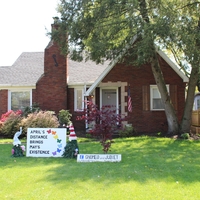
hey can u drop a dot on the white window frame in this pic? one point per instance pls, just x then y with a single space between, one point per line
152 87
76 97
18 90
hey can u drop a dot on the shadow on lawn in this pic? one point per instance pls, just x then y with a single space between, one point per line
143 160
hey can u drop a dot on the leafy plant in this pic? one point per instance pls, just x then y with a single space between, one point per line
185 135
41 119
18 150
128 131
64 117
31 109
106 123
10 123
71 149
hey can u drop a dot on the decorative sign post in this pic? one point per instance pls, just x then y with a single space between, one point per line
45 142
99 158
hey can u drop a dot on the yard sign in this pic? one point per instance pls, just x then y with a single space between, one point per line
99 158
45 142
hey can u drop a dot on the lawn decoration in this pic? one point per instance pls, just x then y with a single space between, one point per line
18 149
71 149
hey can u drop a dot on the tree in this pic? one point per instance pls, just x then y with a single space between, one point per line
182 38
105 29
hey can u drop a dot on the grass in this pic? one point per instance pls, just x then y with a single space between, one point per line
151 169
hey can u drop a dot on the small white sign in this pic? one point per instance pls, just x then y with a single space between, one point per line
99 157
45 142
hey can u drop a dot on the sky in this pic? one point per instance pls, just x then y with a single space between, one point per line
23 25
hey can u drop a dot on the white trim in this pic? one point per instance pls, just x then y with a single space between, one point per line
110 66
173 66
151 97
18 90
115 61
15 87
75 98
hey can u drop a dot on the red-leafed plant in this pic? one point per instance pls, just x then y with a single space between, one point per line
105 123
9 122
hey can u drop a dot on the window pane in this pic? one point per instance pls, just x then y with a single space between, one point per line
79 100
158 104
20 100
156 93
198 103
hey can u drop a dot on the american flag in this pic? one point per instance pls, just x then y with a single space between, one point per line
129 100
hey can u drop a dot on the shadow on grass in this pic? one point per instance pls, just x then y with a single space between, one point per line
143 159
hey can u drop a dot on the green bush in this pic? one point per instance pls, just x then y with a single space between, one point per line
128 131
64 117
185 135
31 109
41 119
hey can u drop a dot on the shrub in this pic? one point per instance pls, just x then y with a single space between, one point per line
31 109
10 123
41 119
64 117
185 135
128 131
107 122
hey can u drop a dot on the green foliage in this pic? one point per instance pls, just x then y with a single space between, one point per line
106 29
159 133
17 151
31 109
10 123
71 149
128 131
64 117
41 119
185 135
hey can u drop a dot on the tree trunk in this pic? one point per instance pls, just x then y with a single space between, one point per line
173 125
187 115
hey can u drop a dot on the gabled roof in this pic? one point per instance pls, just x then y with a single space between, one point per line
84 73
24 72
30 66
114 62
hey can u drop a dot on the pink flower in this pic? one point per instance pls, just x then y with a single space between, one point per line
13 151
23 148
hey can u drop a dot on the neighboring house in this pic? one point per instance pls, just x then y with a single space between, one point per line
56 83
196 102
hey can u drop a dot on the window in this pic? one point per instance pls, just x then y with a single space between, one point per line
156 101
196 102
78 99
19 100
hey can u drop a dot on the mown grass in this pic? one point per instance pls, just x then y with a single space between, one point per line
151 169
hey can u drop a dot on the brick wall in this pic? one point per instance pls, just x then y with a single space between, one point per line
3 101
147 121
51 88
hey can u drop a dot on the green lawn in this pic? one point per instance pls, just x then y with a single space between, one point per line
151 169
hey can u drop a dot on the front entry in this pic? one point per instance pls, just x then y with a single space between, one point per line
109 98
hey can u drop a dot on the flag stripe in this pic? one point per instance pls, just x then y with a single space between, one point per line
129 100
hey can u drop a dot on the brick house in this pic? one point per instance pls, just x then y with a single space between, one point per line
55 83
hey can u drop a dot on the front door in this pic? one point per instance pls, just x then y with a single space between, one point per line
109 98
